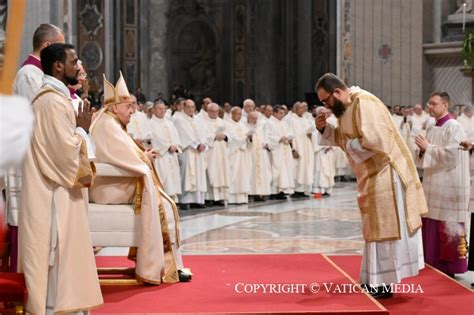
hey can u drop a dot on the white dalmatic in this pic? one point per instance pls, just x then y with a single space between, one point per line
302 130
139 127
261 169
324 166
218 170
281 157
163 136
239 156
193 163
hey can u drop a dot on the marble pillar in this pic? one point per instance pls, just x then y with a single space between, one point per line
437 13
153 48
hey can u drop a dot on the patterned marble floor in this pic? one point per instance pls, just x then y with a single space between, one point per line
329 225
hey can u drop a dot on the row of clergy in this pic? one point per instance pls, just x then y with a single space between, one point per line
420 121
201 157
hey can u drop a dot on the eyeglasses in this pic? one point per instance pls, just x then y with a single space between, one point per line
324 101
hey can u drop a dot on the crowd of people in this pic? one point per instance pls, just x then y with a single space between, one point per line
224 155
230 154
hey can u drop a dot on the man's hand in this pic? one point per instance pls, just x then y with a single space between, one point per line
466 145
173 149
220 136
84 116
321 122
150 153
284 140
422 143
201 147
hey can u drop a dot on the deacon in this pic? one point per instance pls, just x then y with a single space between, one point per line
158 258
165 141
446 182
390 195
55 247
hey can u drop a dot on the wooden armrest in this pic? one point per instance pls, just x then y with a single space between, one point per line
104 169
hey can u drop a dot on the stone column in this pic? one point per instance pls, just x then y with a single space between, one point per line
437 13
153 46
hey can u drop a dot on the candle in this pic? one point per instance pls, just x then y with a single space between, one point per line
464 16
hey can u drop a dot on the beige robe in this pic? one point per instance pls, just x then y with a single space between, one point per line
281 157
163 136
446 179
304 165
155 257
218 170
239 156
367 121
57 168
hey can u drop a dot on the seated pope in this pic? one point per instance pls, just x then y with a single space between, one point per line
158 257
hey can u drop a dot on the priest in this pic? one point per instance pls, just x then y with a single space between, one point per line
165 142
279 137
193 162
218 170
239 157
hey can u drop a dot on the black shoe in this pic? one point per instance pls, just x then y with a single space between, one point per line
198 206
184 277
219 203
326 194
184 206
280 196
209 203
258 199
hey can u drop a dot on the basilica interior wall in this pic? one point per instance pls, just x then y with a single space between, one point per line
382 48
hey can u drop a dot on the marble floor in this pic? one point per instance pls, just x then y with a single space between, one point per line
330 225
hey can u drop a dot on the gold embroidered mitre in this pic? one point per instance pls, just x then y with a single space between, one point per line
116 94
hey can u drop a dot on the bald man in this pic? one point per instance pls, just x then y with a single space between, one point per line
218 170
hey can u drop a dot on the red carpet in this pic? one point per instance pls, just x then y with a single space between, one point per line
442 295
213 288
